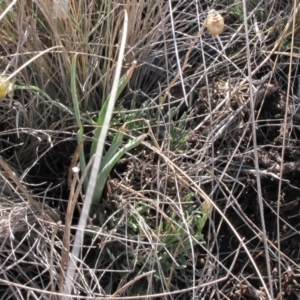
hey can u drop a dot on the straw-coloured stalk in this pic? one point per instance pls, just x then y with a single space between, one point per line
60 9
214 23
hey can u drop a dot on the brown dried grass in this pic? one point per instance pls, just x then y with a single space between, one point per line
157 184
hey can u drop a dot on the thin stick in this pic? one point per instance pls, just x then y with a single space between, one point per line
283 147
258 182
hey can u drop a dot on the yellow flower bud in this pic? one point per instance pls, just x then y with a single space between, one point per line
214 23
5 87
206 207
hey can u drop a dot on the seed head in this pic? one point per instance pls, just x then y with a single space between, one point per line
214 23
5 87
206 207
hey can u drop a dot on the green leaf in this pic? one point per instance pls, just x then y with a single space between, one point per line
106 169
122 83
78 117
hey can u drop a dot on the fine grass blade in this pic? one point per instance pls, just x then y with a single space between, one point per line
121 85
107 165
78 117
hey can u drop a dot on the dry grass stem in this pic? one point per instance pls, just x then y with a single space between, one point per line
205 206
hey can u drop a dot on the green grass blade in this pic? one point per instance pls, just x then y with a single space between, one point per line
106 169
116 143
78 117
121 85
74 92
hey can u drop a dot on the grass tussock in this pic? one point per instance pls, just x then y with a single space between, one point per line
199 180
